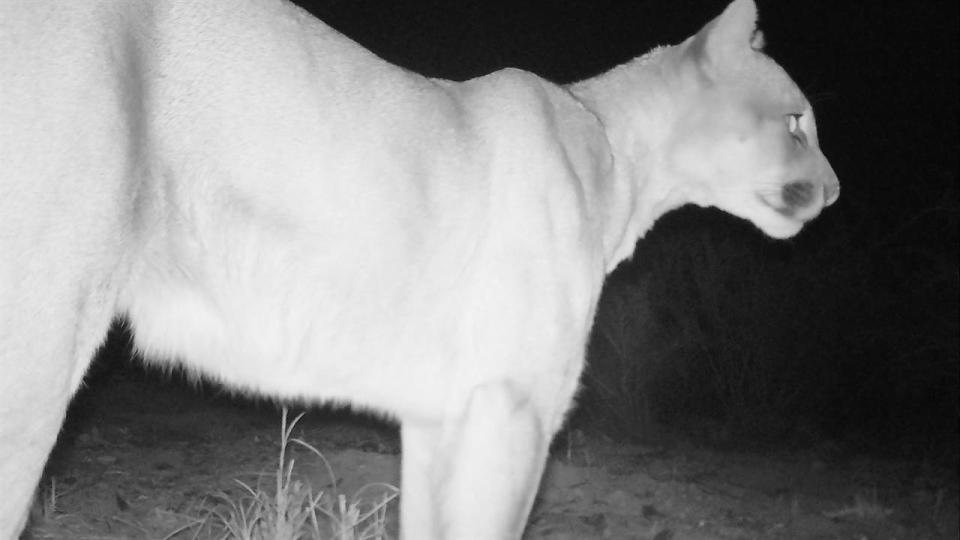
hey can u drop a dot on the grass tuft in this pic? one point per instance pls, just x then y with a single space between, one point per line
864 507
292 511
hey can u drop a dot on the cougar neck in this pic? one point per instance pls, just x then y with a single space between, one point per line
635 103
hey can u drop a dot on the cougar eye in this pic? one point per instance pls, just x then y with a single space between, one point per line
793 126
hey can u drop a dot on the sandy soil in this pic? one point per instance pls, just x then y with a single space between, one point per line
139 457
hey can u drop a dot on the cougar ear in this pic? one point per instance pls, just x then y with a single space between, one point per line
726 39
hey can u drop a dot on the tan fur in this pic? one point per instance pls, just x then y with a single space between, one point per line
274 207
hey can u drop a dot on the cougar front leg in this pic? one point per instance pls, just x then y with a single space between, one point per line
474 476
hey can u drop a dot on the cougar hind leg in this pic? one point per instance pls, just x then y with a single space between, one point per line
45 348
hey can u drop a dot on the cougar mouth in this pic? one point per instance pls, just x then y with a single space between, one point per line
800 199
797 194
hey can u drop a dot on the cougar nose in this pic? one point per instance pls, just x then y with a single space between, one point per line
831 192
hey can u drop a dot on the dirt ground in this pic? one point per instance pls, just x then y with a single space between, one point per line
141 456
